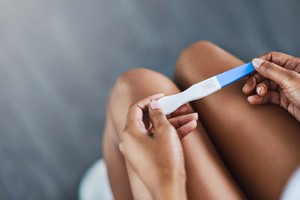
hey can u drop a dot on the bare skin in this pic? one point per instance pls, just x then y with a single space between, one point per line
158 146
277 82
202 163
258 144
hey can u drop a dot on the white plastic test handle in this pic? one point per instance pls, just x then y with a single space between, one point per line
170 103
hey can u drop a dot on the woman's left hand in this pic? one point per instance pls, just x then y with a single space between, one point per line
154 150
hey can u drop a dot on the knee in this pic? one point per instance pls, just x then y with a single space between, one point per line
139 81
130 79
190 56
193 61
134 77
197 47
127 77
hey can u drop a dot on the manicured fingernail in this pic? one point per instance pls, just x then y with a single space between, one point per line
258 90
245 86
256 62
249 99
154 105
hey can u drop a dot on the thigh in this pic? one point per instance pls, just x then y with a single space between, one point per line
205 171
259 144
129 88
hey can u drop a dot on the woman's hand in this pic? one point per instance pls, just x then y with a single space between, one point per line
154 151
277 81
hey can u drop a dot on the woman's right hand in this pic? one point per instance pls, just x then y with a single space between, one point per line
277 81
155 152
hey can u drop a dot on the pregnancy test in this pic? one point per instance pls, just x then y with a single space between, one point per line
204 88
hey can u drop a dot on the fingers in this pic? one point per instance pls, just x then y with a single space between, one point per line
135 127
135 112
249 85
185 124
272 71
180 111
269 97
263 87
182 120
162 126
251 82
284 61
157 117
143 104
135 117
281 59
187 128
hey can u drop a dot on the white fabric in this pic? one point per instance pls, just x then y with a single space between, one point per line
292 190
95 185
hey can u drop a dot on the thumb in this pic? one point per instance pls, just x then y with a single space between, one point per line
157 117
272 71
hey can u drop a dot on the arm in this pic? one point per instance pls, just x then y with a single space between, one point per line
155 154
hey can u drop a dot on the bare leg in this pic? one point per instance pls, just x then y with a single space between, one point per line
207 178
259 144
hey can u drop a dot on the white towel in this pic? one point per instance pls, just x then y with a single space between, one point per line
292 190
95 185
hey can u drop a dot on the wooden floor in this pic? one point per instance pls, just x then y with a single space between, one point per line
60 58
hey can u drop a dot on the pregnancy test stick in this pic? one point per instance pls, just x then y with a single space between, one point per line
204 88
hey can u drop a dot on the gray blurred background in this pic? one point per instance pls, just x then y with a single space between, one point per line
60 58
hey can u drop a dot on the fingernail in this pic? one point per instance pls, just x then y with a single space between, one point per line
121 147
256 62
258 90
154 105
249 99
245 86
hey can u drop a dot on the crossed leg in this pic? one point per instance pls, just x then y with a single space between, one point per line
259 145
205 171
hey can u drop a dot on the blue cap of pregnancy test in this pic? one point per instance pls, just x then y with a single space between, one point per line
235 74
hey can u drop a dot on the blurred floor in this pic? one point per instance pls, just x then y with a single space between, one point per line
60 58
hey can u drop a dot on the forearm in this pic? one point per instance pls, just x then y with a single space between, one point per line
172 191
167 189
138 188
